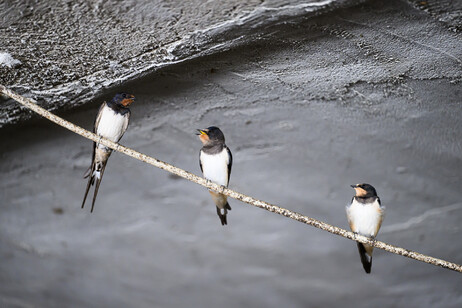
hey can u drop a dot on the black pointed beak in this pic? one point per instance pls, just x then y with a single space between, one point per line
353 186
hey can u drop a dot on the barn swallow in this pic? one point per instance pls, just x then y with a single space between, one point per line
215 160
111 123
365 214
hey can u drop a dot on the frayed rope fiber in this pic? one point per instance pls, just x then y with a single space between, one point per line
226 191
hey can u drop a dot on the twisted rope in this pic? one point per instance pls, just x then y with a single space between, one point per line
226 191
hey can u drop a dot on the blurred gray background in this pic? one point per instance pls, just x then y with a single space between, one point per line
368 93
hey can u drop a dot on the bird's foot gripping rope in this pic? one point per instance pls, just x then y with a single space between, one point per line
226 191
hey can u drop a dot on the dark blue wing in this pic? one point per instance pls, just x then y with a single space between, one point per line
230 162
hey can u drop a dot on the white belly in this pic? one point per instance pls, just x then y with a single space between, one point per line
111 124
365 219
215 167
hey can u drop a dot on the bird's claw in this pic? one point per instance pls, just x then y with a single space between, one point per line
373 240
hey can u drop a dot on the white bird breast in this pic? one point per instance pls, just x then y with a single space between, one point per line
111 124
215 167
366 218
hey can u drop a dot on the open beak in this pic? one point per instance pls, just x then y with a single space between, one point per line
201 132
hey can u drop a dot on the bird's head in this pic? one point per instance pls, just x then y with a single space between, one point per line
364 190
211 135
123 99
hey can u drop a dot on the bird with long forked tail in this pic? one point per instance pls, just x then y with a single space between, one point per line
365 215
216 160
111 123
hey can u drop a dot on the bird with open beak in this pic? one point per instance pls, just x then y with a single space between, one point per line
365 214
216 160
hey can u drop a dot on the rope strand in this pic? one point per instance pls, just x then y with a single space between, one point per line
226 191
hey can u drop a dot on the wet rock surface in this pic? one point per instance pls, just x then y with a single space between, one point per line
73 50
365 94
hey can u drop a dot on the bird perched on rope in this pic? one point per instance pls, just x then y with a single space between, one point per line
111 123
365 214
216 160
